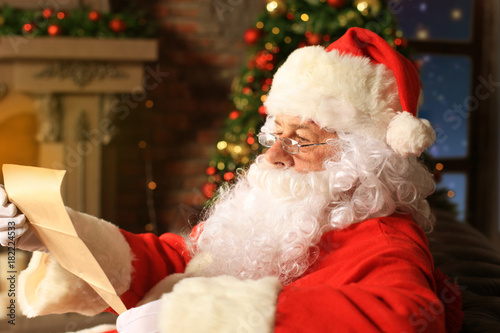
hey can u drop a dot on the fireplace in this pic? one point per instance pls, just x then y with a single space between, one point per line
59 100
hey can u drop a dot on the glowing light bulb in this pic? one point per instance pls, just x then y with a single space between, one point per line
221 145
271 6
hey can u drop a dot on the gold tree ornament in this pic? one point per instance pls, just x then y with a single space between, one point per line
276 7
368 7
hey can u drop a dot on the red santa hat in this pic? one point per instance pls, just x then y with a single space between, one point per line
357 84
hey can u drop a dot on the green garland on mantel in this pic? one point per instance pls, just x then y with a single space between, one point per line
75 23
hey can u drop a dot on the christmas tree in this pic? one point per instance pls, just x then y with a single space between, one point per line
280 29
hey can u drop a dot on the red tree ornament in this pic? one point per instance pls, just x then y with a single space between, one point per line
266 84
264 60
28 28
401 42
262 110
94 16
336 3
252 36
209 190
117 25
246 91
314 39
47 12
54 30
211 171
233 115
228 176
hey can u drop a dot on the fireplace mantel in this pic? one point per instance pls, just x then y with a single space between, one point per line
76 85
19 47
44 64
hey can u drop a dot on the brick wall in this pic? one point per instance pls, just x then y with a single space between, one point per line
201 49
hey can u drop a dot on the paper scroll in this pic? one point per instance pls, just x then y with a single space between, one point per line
37 193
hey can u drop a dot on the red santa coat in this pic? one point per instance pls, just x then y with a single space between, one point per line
374 276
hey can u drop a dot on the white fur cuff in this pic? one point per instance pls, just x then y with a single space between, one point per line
222 304
47 288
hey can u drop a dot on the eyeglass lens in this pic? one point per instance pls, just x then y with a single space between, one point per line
268 140
290 145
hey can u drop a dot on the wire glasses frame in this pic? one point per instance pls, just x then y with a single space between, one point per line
289 145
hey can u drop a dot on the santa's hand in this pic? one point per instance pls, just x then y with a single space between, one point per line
142 319
14 229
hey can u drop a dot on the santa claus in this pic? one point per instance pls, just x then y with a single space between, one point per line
325 232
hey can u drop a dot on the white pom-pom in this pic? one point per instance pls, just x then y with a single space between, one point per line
409 135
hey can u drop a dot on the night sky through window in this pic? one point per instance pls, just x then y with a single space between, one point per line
435 19
446 81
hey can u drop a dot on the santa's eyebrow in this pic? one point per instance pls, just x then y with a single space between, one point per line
295 126
302 126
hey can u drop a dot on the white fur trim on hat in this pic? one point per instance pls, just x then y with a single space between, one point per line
409 135
339 92
347 93
222 304
47 288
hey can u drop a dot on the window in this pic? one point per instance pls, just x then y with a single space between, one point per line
458 64
445 81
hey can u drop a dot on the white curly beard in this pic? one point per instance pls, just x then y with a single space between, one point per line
268 224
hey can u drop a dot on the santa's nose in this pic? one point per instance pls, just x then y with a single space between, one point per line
277 156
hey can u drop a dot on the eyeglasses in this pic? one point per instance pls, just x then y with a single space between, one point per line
289 145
